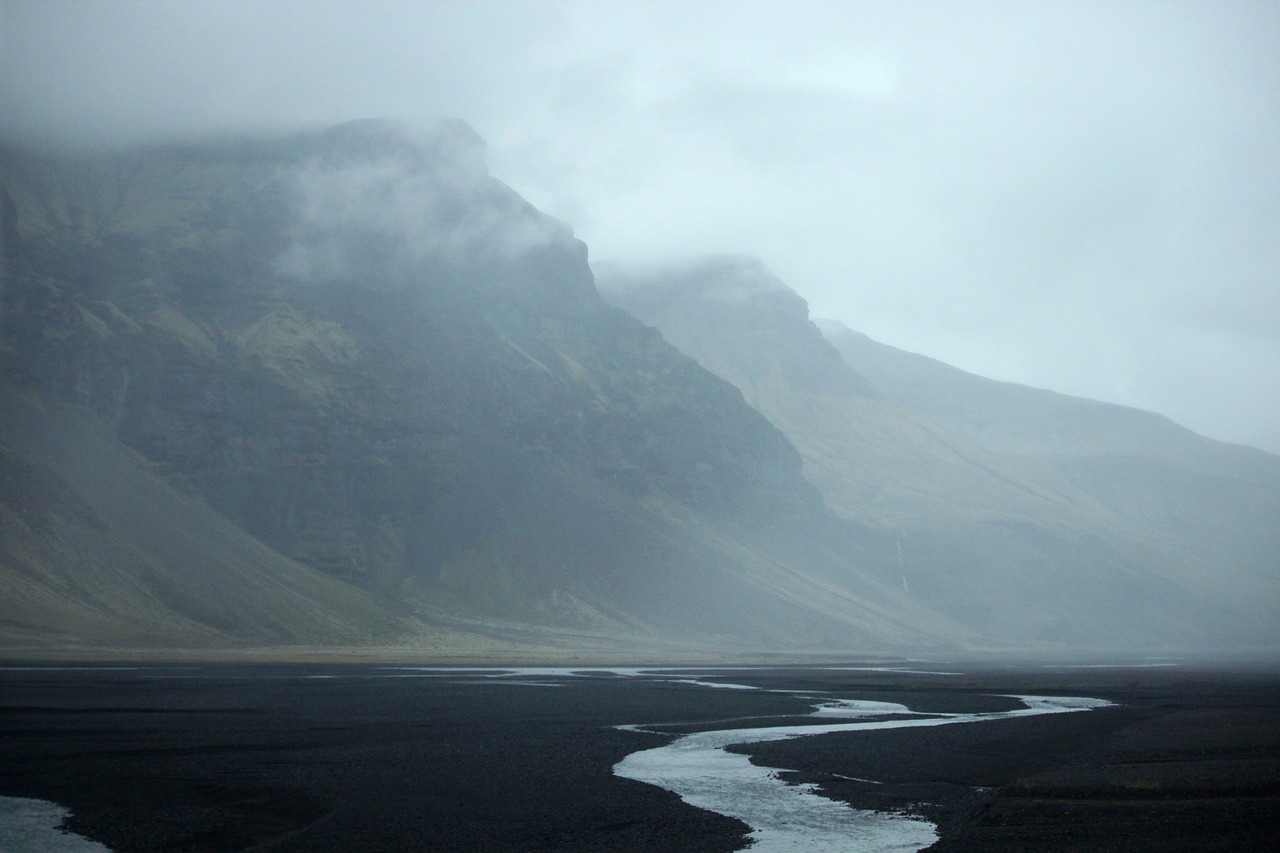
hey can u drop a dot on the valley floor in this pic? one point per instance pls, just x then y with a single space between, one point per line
361 757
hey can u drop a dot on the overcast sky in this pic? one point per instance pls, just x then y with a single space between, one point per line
1079 196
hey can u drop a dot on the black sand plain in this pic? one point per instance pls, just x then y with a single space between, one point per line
272 757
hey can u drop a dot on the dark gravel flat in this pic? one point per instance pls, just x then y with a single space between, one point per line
215 758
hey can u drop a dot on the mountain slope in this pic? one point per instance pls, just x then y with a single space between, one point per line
1220 502
370 365
96 548
1012 546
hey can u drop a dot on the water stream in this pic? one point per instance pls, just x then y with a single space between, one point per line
786 817
782 817
36 825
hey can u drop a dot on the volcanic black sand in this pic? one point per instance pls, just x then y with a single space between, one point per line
215 758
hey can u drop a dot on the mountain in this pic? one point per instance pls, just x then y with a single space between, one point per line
1219 502
345 389
1106 550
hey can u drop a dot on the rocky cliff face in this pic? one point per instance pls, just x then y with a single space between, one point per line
380 363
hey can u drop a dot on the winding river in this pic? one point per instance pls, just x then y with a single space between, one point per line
786 817
697 767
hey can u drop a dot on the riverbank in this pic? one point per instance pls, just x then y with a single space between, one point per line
364 758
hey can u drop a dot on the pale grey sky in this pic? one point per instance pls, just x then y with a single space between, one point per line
1083 196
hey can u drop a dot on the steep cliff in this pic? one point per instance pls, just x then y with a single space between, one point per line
358 353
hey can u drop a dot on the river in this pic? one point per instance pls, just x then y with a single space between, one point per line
785 817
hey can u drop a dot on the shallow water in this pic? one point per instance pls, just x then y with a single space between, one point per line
32 826
787 817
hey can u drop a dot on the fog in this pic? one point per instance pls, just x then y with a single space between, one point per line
413 196
1079 196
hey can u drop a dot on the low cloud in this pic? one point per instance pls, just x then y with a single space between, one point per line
1034 191
383 198
728 279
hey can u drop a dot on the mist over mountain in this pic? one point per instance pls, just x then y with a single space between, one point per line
1146 533
344 390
